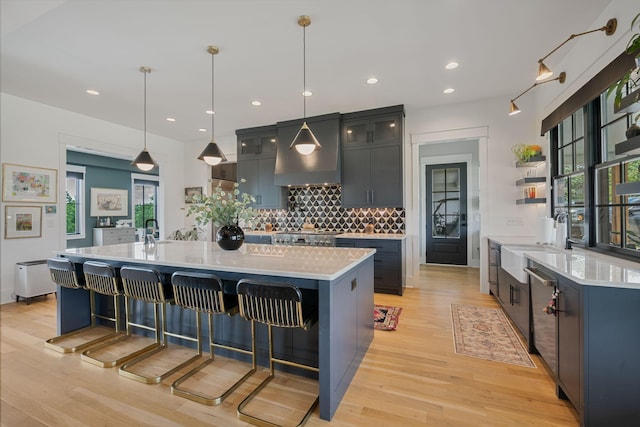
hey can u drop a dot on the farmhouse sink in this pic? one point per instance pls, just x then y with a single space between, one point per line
512 259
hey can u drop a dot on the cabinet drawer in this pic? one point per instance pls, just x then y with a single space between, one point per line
379 245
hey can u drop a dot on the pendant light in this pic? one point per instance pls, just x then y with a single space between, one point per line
144 161
305 141
212 154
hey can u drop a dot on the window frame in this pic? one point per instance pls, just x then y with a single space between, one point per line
80 192
143 179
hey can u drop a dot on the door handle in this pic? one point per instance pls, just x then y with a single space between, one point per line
463 220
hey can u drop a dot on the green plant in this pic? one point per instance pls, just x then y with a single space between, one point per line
523 152
632 77
223 207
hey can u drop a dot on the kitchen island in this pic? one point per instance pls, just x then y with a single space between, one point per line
338 280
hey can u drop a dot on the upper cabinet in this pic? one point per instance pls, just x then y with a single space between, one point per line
224 171
360 130
372 158
257 142
256 165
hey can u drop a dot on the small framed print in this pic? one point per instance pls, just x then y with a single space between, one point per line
29 184
189 192
109 202
22 221
50 209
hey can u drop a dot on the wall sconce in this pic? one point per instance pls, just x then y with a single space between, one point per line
514 108
544 72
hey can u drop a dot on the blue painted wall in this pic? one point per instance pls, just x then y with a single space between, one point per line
102 172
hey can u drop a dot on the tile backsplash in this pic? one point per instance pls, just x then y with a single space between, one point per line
322 207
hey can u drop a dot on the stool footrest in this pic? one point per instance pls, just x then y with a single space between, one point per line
243 416
95 359
57 343
126 371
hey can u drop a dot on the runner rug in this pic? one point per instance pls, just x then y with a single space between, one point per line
486 333
385 317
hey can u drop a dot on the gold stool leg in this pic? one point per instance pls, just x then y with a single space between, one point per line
243 416
216 400
94 357
126 369
57 343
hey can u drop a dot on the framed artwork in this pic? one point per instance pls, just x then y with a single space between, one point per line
29 184
50 209
22 221
189 192
109 202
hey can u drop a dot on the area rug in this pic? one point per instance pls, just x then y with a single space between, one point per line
486 333
385 317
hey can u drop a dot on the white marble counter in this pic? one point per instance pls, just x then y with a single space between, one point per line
319 263
381 236
513 240
589 268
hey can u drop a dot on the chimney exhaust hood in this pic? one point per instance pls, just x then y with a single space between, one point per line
320 167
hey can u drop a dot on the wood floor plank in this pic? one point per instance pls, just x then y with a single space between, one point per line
409 377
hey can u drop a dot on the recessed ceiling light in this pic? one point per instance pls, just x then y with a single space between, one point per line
451 65
210 112
171 119
372 80
449 90
202 130
307 93
92 92
256 103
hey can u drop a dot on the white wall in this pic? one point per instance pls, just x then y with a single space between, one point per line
35 134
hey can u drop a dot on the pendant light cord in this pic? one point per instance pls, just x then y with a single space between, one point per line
304 72
145 109
213 110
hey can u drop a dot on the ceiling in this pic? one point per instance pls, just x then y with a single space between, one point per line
53 50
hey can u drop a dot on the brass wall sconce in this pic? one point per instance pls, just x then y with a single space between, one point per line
514 108
544 72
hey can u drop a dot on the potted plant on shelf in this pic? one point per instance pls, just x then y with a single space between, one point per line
524 152
227 210
629 84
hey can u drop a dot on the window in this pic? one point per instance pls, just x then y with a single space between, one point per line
75 202
586 141
569 182
145 199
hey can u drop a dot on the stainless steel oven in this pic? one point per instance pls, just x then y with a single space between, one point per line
305 238
544 308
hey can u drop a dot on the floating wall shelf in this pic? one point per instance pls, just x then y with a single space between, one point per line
625 147
533 201
531 180
533 162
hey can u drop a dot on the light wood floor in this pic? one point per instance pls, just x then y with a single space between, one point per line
409 377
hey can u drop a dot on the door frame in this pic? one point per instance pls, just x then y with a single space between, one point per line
438 160
418 139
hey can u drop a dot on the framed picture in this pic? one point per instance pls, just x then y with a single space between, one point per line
29 184
22 221
50 209
109 202
189 192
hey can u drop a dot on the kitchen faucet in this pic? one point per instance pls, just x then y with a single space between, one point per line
567 240
149 238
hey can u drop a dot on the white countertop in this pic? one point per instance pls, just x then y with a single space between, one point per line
304 262
589 268
513 240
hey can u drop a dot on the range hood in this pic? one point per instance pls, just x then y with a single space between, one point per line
318 168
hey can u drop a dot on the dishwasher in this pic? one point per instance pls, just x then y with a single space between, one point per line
544 309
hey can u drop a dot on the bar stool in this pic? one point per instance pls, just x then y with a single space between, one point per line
280 305
103 278
64 274
203 293
145 284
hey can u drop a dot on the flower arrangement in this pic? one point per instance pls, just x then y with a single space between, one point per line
223 208
524 152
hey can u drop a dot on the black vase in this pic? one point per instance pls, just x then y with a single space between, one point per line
230 237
